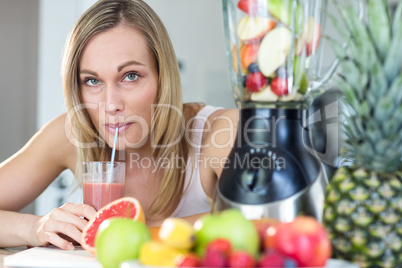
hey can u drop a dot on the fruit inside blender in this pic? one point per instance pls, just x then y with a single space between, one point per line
272 43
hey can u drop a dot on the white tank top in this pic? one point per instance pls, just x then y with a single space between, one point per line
195 200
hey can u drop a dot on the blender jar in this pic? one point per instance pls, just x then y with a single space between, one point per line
273 50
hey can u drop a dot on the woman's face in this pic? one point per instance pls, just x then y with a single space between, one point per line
118 84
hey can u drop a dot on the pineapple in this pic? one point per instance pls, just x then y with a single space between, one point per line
363 206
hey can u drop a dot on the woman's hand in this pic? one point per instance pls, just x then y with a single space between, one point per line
62 226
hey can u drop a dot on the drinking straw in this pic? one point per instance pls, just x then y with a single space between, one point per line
116 133
110 170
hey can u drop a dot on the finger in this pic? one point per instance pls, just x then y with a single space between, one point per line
63 215
82 210
69 230
57 241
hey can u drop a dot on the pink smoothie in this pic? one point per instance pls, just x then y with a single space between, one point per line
100 194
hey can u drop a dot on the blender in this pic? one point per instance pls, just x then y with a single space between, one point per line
274 57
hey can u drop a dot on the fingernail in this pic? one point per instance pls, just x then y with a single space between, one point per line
70 246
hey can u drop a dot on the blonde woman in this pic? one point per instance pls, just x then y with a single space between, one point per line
119 69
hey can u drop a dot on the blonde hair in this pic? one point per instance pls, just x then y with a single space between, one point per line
167 125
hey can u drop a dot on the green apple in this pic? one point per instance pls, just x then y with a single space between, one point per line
274 50
229 224
282 10
119 239
300 79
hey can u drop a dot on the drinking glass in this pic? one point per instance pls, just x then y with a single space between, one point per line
103 182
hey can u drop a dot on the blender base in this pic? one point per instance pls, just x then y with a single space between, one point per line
309 201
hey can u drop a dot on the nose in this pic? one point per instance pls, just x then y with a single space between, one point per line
114 100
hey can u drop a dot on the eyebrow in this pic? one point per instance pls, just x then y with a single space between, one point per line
133 62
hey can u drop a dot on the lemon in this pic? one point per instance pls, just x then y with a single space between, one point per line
177 233
119 239
155 253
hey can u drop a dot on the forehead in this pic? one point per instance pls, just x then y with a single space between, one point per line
114 46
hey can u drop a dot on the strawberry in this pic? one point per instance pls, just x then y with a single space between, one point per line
189 260
221 245
272 258
248 6
256 81
241 258
279 86
214 259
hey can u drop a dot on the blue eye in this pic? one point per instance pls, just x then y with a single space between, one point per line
131 77
91 82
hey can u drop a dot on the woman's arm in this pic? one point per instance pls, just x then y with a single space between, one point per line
24 176
15 228
219 136
24 229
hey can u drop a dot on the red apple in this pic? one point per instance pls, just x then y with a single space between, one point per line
262 226
248 6
305 240
274 49
312 40
313 36
248 55
253 29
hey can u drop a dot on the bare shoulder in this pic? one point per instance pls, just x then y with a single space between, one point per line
219 139
191 109
223 127
224 118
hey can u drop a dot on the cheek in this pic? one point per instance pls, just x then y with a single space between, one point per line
93 106
93 109
142 103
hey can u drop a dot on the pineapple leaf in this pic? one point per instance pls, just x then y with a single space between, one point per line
393 62
395 91
361 38
352 76
393 154
393 125
378 80
349 92
364 109
397 21
379 25
352 42
372 134
384 109
340 51
347 37
371 80
354 127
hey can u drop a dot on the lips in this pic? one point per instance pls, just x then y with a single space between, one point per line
123 126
